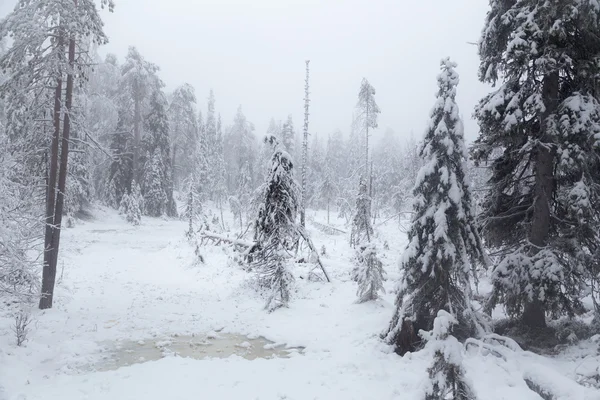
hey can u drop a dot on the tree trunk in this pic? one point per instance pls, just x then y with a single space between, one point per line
49 271
62 178
304 151
534 311
327 212
137 132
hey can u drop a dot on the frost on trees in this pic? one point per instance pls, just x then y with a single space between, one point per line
362 231
275 230
444 246
132 205
48 54
184 131
157 177
368 112
447 379
368 273
540 132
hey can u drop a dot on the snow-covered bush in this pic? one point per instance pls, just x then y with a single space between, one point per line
368 272
21 326
446 376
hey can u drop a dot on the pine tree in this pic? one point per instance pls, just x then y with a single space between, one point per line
46 36
275 230
446 375
368 112
540 131
444 244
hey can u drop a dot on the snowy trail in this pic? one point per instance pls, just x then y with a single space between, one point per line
140 283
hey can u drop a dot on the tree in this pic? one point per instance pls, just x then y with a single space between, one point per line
158 185
444 244
288 135
183 127
328 189
275 230
446 376
368 112
304 148
141 79
368 273
120 174
46 36
539 132
362 231
132 205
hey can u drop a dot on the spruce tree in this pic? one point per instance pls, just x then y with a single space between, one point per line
275 229
540 132
158 184
444 244
368 112
362 231
183 131
447 379
288 135
121 167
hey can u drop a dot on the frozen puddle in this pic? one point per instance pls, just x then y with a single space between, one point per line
128 352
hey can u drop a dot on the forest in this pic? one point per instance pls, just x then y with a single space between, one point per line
144 236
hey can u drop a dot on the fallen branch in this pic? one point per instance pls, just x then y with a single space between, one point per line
311 246
217 239
330 230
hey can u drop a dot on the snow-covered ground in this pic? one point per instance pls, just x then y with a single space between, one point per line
119 283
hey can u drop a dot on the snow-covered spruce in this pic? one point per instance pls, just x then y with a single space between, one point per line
444 246
446 376
368 272
540 135
362 231
275 230
158 184
192 212
132 205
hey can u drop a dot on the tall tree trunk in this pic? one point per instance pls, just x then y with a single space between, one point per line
49 271
304 151
328 212
534 312
137 131
46 301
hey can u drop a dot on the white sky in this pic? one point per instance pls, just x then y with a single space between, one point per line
252 52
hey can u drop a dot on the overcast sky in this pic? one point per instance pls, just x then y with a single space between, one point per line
252 52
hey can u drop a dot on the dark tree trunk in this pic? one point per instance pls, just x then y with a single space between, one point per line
534 314
49 271
50 278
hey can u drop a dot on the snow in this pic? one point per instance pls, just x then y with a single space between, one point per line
121 283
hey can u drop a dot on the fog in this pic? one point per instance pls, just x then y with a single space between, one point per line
252 53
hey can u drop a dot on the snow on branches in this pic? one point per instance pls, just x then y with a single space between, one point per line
444 245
